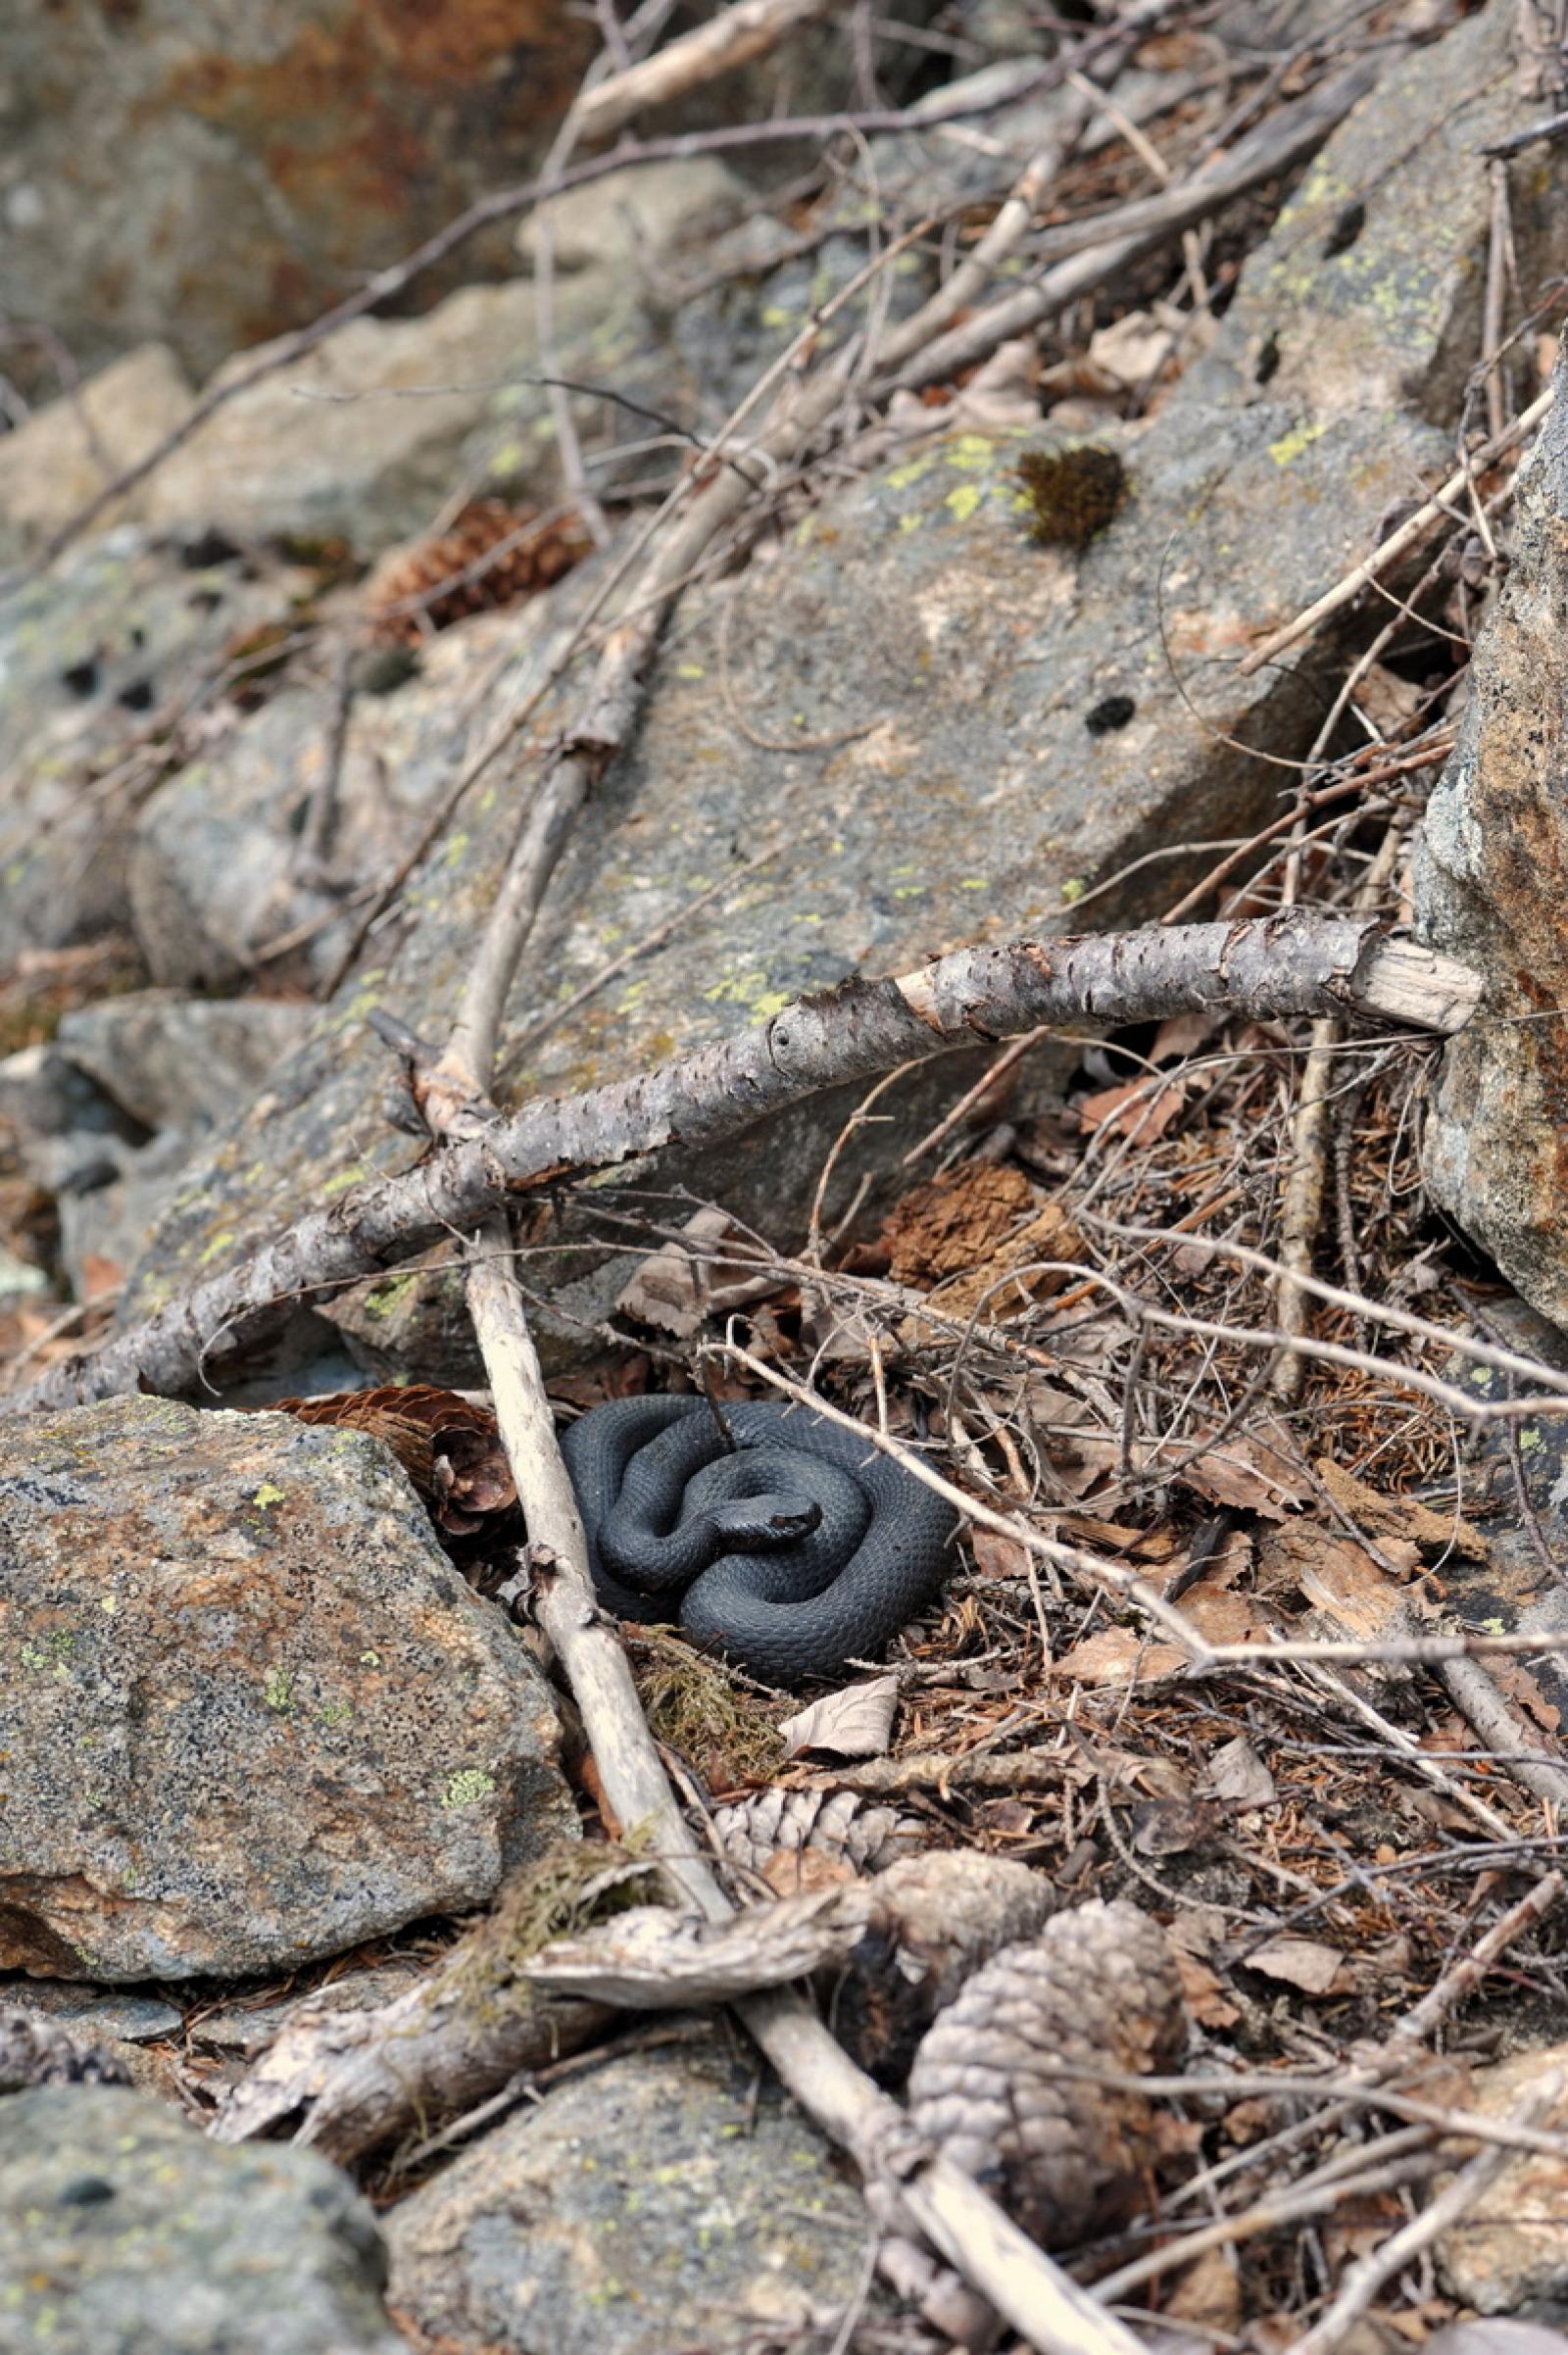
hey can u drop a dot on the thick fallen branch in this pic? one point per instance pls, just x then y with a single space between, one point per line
953 2213
1292 963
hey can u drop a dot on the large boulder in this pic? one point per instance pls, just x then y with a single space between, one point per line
657 2202
110 674
219 175
124 2231
941 729
262 1716
1491 882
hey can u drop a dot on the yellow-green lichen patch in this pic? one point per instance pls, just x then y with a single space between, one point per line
469 1788
387 1297
219 1242
278 1691
344 1179
267 1494
1289 446
962 502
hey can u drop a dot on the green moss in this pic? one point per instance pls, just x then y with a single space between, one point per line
1073 493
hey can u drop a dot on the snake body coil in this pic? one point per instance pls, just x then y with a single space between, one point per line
792 1544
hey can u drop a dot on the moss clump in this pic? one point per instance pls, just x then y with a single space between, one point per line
694 1708
1072 493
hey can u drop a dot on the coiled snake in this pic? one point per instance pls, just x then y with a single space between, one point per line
793 1550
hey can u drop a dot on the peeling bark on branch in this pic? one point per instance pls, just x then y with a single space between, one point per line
1290 963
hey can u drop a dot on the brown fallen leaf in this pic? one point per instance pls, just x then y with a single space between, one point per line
1299 1962
855 1721
1140 1110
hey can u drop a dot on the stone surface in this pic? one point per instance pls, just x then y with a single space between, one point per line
213 870
361 436
124 2232
1510 2250
65 452
215 174
1490 885
179 1062
247 2029
90 656
930 677
262 1716
643 2207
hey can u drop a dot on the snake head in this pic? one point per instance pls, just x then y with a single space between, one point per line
755 1524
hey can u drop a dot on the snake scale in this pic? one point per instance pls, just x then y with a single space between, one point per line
791 1543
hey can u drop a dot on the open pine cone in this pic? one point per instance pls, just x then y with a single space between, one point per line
449 1449
492 556
1064 2156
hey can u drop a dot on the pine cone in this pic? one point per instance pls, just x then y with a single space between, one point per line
1065 2157
449 1449
492 556
938 1918
836 1824
38 2052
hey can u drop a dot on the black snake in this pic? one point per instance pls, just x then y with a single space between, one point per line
791 1544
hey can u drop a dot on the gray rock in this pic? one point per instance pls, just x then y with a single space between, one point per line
247 2029
44 1096
67 452
119 2013
178 1062
968 730
123 2232
1510 2250
108 1196
361 436
263 1715
645 2206
220 179
90 656
1491 882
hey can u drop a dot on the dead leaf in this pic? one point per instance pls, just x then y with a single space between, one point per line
678 1287
100 1276
1255 1472
1300 1962
998 1556
1181 1035
855 1721
1115 1655
1237 1773
1204 1993
1141 1111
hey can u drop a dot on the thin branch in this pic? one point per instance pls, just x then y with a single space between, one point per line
1415 527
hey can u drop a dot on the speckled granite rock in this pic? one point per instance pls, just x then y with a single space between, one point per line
123 2232
218 175
1509 2251
89 655
68 450
1492 880
253 1714
643 2207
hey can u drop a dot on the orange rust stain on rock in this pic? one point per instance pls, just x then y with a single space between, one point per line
375 102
